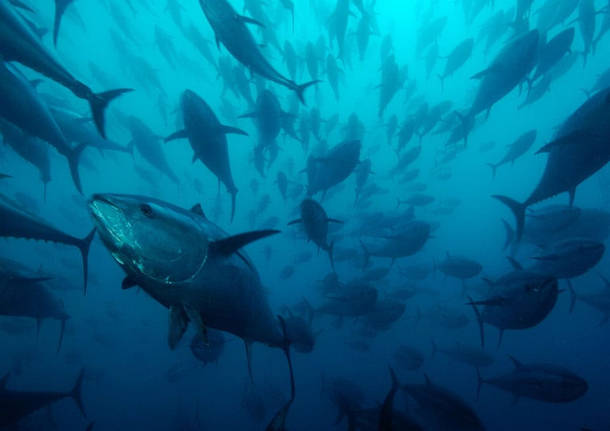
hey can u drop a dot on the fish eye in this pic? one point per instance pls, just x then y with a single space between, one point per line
146 210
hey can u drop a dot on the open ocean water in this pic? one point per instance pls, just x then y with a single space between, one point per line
402 204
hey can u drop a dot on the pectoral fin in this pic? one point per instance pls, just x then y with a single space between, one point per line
195 317
231 244
178 322
180 134
249 20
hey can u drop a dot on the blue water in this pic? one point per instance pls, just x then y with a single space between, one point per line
134 381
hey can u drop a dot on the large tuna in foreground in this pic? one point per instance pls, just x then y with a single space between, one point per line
190 266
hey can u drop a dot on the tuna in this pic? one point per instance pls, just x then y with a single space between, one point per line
190 266
457 58
517 149
26 295
520 300
443 409
19 223
230 29
580 149
315 222
332 168
543 382
18 43
207 136
404 243
16 405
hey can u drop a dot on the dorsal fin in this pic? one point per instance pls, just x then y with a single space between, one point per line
515 362
128 283
197 209
228 246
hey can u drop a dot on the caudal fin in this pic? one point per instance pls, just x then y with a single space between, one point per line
84 245
60 8
300 90
479 320
73 158
510 234
76 393
286 348
98 102
518 210
233 198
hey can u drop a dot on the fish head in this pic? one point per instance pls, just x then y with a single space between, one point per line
573 386
152 241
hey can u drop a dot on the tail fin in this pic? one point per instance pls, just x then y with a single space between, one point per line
367 255
300 89
98 102
510 234
76 393
573 297
60 8
73 158
493 169
84 245
480 382
518 211
286 348
330 254
233 197
479 320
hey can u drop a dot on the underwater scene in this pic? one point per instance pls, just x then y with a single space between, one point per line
304 215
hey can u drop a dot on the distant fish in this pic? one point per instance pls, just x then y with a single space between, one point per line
17 43
230 30
17 223
16 405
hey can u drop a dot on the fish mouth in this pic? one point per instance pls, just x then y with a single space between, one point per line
109 219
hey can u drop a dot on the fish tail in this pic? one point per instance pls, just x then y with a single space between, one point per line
300 89
84 245
510 234
76 392
73 159
60 8
479 320
98 102
286 348
233 199
518 210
